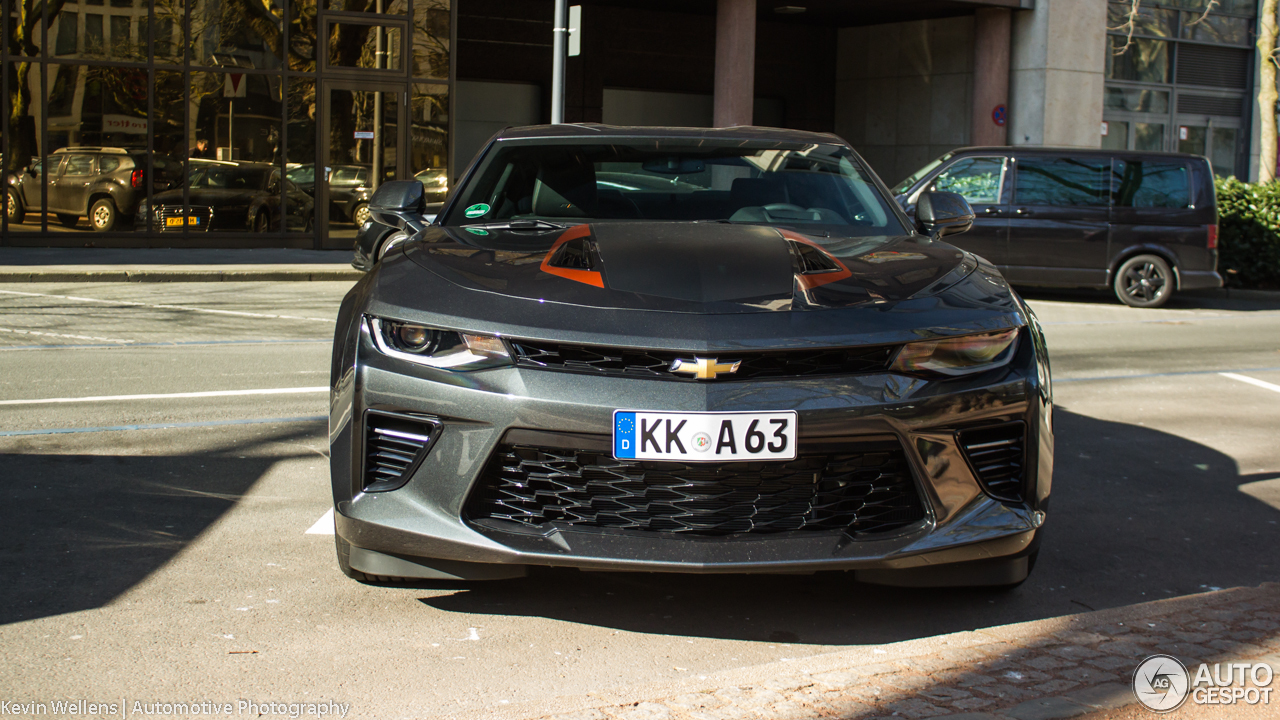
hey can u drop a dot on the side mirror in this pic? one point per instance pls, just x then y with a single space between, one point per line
399 203
939 214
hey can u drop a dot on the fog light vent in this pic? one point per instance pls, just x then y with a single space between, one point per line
997 454
394 446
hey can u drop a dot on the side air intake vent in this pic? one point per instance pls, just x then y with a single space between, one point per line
394 446
997 454
809 259
574 255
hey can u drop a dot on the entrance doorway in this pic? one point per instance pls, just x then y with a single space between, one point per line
363 138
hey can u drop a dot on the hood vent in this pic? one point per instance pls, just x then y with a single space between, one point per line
576 254
997 454
394 446
810 260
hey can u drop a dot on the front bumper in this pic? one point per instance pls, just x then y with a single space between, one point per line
423 524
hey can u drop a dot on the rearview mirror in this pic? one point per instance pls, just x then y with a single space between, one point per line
398 203
939 214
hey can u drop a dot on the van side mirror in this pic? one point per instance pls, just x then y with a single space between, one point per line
939 214
399 203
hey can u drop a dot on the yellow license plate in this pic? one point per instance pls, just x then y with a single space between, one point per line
180 221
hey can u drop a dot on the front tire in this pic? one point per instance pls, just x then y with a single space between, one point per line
14 209
360 215
103 215
261 223
1144 281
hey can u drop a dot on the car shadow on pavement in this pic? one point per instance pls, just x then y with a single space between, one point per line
1136 515
1188 300
82 529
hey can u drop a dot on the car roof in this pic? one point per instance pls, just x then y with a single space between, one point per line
1048 150
596 130
95 149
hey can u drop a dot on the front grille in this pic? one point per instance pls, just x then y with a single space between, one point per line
630 362
865 488
997 454
162 214
394 446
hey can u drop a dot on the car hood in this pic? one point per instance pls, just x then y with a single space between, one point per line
688 267
206 196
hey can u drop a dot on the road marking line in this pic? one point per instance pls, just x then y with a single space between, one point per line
1252 381
1157 375
136 344
323 526
167 307
169 396
164 426
74 337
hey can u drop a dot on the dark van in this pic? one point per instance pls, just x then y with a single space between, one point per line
1144 224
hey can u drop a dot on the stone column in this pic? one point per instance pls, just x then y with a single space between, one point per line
991 28
735 62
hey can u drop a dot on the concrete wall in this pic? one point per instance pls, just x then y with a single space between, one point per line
903 91
1057 68
484 108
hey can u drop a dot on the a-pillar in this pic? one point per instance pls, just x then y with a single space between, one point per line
735 62
991 40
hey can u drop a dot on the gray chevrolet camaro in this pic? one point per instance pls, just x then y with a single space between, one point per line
685 350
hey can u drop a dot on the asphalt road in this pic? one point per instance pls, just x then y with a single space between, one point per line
157 548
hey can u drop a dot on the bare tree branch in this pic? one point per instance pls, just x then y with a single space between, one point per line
1128 27
1212 4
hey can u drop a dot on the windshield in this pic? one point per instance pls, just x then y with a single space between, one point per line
822 187
914 177
230 178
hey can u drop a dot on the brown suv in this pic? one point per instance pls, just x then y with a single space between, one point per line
102 183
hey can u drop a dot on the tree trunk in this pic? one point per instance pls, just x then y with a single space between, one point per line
1267 92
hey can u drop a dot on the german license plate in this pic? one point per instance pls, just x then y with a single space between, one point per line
180 221
704 437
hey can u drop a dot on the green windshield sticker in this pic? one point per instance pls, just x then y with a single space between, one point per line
476 210
477 231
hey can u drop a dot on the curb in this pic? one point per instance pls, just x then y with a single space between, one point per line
915 673
69 275
1234 294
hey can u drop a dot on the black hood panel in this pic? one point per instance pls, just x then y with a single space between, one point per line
693 267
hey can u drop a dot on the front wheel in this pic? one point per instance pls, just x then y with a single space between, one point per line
14 208
1144 281
360 215
261 223
103 215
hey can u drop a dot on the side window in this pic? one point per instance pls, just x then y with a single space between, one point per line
1147 184
1062 181
978 179
79 165
108 164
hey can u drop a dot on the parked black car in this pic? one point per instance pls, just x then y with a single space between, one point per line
349 189
1141 223
232 196
103 183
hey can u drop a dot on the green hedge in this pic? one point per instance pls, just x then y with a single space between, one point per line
1249 234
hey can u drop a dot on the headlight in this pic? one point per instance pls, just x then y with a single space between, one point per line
437 348
957 355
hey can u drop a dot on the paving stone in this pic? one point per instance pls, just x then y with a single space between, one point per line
1003 691
788 684
1087 675
1049 662
1108 696
1080 637
694 701
1024 676
839 679
970 716
645 711
1053 686
1195 637
944 694
725 713
1074 652
846 705
973 703
906 682
929 665
975 679
1241 649
787 710
1047 709
915 708
1123 648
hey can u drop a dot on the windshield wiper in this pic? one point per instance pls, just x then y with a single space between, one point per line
521 224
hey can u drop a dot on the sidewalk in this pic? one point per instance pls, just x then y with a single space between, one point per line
173 265
1063 667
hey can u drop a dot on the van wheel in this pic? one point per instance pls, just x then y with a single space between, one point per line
360 215
1144 281
14 209
103 215
68 220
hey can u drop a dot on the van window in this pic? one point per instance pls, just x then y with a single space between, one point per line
978 179
108 164
1062 181
1147 184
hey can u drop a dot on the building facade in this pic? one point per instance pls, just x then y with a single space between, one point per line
324 98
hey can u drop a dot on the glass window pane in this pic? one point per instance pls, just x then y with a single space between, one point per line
1147 184
386 7
1115 135
429 139
302 35
1222 152
1148 136
365 46
300 155
1216 29
1062 181
68 29
1143 61
431 38
1149 21
1191 139
1135 100
234 34
977 179
93 35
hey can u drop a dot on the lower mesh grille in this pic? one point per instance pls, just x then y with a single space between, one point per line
867 488
394 446
997 454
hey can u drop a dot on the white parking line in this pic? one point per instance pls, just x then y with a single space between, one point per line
323 526
169 396
59 335
166 307
1252 381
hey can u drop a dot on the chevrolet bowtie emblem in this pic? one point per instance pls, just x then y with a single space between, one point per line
704 368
